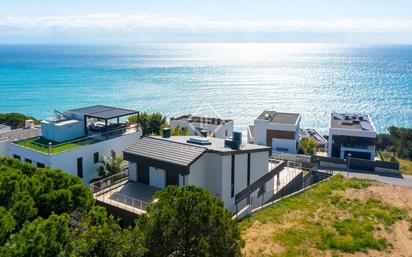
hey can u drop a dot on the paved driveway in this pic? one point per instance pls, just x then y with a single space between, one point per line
405 181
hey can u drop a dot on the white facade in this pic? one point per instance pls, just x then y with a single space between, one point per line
62 130
67 160
257 134
212 171
222 130
353 133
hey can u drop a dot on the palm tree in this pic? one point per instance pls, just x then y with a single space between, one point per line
110 165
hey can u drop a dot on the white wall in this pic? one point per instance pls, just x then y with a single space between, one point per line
67 161
132 167
213 172
289 144
259 134
3 148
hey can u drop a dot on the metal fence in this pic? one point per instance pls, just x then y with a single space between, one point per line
108 183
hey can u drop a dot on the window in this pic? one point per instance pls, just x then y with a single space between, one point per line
232 178
80 167
226 133
15 156
40 165
96 157
262 190
248 169
281 149
28 160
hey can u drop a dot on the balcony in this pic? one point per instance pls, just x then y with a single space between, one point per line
119 192
43 145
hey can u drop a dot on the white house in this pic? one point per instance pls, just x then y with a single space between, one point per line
75 141
279 130
223 167
214 127
351 133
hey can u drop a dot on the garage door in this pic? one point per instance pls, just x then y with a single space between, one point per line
157 177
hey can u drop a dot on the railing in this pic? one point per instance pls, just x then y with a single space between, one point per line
73 144
249 204
107 190
102 186
125 202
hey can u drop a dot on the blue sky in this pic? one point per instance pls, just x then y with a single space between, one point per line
123 21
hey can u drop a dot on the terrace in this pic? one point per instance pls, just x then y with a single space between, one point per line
46 146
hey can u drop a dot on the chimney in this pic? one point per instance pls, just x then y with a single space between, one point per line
166 133
203 133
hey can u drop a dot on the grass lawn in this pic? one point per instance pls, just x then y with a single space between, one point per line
41 144
406 166
322 220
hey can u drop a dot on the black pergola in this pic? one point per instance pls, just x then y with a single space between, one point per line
102 112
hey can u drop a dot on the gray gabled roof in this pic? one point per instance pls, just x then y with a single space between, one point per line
104 112
167 151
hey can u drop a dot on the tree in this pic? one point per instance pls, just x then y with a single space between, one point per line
15 120
110 165
308 145
48 213
188 221
151 124
398 141
177 131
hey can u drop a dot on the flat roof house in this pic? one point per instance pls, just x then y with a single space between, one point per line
223 167
214 127
351 133
76 140
278 130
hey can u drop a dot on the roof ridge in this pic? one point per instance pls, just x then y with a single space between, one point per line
180 143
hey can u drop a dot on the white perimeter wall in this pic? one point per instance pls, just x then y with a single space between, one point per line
67 161
3 148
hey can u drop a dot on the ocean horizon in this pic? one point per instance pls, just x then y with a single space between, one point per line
228 80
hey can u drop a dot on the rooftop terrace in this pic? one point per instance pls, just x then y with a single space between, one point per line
351 121
280 117
200 119
41 144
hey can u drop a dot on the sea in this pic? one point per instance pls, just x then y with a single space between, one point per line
227 80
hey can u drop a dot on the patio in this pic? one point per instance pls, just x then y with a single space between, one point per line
132 196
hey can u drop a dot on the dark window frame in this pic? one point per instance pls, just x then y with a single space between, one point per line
248 169
18 157
96 157
40 165
28 160
232 177
80 167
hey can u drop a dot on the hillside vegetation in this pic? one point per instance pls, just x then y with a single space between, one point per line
15 120
339 217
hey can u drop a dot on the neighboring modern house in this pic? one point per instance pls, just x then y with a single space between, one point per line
4 128
6 135
313 134
351 133
278 130
76 140
223 167
215 127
